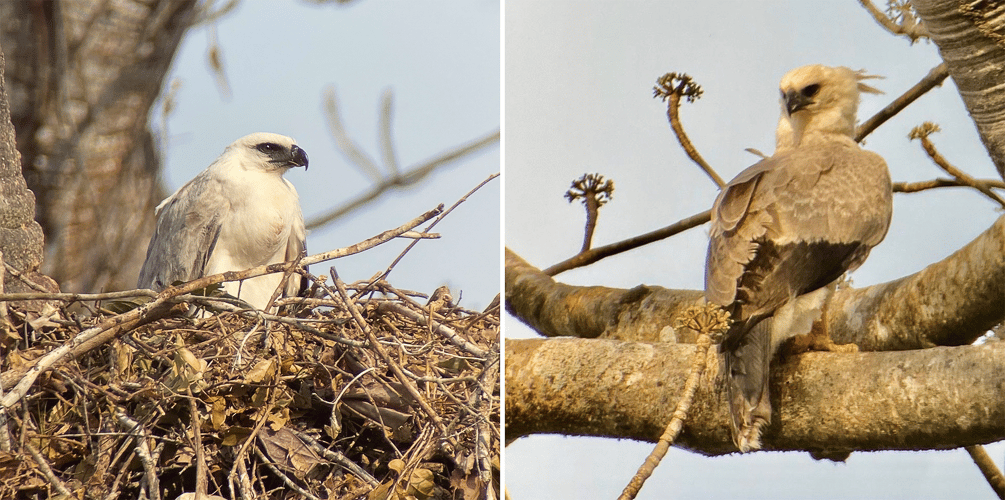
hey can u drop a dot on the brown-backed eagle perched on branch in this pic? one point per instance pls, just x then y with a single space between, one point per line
788 227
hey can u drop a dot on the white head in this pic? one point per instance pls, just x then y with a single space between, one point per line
266 152
819 99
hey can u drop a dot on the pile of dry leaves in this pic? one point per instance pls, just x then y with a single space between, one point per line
369 392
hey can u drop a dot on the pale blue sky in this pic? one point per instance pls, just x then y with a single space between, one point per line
578 99
441 59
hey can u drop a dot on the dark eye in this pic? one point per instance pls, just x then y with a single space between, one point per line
269 147
810 90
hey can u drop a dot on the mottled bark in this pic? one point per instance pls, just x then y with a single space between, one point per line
20 236
615 385
81 80
826 403
952 302
971 39
555 309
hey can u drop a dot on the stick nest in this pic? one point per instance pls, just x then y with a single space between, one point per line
241 405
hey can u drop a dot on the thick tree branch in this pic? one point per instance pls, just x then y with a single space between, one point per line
969 38
827 403
555 309
951 302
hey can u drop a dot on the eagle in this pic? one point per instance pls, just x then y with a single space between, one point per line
237 214
787 228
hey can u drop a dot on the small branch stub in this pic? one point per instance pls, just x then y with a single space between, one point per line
595 191
670 88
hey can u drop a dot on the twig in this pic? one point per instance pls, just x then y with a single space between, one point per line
933 79
593 255
595 193
922 133
421 319
707 320
433 224
286 480
376 240
914 187
248 441
909 25
19 275
375 345
142 452
670 88
346 145
338 458
987 466
201 481
387 152
43 466
75 297
408 178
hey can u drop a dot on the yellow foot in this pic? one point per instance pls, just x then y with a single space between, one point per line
818 339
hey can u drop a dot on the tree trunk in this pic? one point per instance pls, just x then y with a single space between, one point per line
82 78
20 236
971 39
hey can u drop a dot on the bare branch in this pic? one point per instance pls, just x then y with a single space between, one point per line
670 88
914 187
434 223
597 387
595 254
921 133
933 79
900 19
410 177
346 145
595 192
708 320
387 151
987 466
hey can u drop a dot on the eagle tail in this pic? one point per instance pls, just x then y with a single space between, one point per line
747 372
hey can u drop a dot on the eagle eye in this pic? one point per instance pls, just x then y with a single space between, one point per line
810 90
269 147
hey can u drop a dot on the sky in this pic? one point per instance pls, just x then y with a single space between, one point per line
578 99
440 60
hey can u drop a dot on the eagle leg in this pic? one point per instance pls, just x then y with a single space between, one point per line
747 371
817 339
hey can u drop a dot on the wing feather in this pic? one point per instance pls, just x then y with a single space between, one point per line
832 193
188 227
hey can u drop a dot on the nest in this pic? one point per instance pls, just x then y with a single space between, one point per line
366 393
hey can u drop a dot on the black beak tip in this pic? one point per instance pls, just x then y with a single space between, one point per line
299 156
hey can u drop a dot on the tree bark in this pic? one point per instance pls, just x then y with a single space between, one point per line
20 236
971 40
624 379
83 76
826 403
952 302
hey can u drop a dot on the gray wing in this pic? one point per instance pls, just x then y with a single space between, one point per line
295 247
188 226
824 204
786 226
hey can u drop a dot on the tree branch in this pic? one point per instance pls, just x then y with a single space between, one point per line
933 79
828 403
951 302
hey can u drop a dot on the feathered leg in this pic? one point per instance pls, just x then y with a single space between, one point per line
747 372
